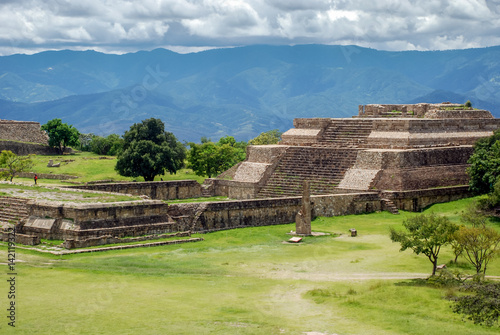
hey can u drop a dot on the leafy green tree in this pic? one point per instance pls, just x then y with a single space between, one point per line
148 151
425 234
61 135
85 140
480 245
110 145
468 104
481 306
13 164
268 137
210 159
484 163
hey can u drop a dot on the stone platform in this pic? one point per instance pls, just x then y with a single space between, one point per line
384 147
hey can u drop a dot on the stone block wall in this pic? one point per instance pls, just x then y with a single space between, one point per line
79 221
24 131
413 169
458 114
376 110
250 213
244 180
22 238
23 149
85 222
162 190
236 189
419 133
417 200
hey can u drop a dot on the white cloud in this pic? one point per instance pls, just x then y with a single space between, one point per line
116 25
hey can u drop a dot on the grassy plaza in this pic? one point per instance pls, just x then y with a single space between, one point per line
247 281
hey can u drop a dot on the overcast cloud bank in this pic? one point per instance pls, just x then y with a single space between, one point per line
118 26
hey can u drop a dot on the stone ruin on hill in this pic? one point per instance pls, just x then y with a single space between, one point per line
383 148
24 138
388 157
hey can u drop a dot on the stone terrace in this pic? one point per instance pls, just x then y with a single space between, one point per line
12 210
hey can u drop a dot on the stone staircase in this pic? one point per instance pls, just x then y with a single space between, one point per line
323 167
346 133
389 206
12 210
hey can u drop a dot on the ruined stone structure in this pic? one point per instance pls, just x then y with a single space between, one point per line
161 190
24 138
22 131
388 157
79 221
386 147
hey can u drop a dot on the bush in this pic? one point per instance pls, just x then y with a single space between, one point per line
481 306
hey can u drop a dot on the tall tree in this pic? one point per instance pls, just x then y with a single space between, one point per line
13 164
210 159
110 145
480 245
484 168
425 234
148 151
61 135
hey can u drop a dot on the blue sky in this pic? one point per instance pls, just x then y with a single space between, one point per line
119 26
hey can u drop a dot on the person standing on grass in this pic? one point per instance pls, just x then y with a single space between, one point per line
35 178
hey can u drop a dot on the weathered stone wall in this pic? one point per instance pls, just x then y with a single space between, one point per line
387 158
23 149
458 114
420 178
24 131
22 238
108 239
236 189
433 111
376 110
418 133
80 221
246 179
162 190
388 169
316 123
249 213
417 200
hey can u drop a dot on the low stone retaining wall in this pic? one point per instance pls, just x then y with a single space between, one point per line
214 216
22 238
416 201
83 222
108 239
161 190
46 176
23 149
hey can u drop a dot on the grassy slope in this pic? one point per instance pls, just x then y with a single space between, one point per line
88 167
243 281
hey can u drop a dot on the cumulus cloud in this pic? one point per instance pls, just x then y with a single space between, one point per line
126 25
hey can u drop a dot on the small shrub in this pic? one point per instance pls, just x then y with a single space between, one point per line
482 306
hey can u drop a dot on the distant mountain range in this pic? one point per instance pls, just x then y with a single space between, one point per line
238 91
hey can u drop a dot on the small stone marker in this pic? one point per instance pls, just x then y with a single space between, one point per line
354 232
295 239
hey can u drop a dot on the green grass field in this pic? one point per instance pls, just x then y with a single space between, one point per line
88 167
243 281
